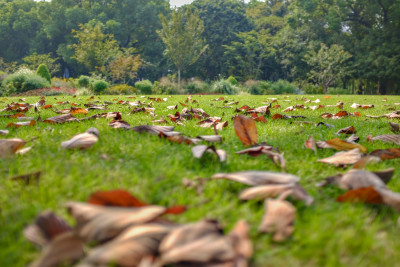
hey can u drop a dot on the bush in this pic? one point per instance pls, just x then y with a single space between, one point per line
120 89
232 80
144 86
338 91
43 71
21 82
224 87
283 87
99 86
197 86
84 81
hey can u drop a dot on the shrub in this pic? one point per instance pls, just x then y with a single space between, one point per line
84 81
43 71
144 86
120 89
99 86
224 87
196 86
310 88
338 91
22 82
232 80
283 87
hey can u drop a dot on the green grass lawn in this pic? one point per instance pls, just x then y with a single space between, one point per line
327 233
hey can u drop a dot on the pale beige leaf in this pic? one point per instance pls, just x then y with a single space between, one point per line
200 242
65 248
343 158
258 177
80 141
4 132
264 191
8 147
240 239
355 179
278 218
130 247
97 223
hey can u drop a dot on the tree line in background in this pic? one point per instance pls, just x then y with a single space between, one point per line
315 45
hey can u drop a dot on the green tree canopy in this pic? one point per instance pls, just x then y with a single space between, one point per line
181 34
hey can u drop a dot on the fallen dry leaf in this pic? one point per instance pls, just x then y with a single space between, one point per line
339 144
310 143
152 129
197 244
130 247
4 132
394 127
258 177
278 218
343 158
117 124
245 129
256 150
362 194
74 111
388 138
47 226
61 119
198 152
65 248
347 130
19 124
355 179
80 141
385 154
97 223
264 191
9 147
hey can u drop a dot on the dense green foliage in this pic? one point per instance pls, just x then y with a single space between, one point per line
84 81
144 86
23 81
99 85
357 42
43 72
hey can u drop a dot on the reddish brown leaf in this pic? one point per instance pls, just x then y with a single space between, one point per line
342 114
384 154
19 124
347 130
47 106
339 144
363 194
245 107
245 129
278 116
18 115
74 110
118 197
276 106
310 143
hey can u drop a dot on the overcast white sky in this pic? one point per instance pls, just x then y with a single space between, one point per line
180 2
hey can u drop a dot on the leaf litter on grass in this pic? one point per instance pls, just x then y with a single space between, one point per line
114 228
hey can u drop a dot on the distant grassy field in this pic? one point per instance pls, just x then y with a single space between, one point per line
327 233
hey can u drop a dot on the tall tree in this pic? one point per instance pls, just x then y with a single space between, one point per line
328 65
223 19
181 34
95 49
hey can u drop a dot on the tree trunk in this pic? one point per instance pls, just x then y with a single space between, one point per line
179 78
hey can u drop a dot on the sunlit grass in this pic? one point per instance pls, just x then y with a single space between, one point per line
326 234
